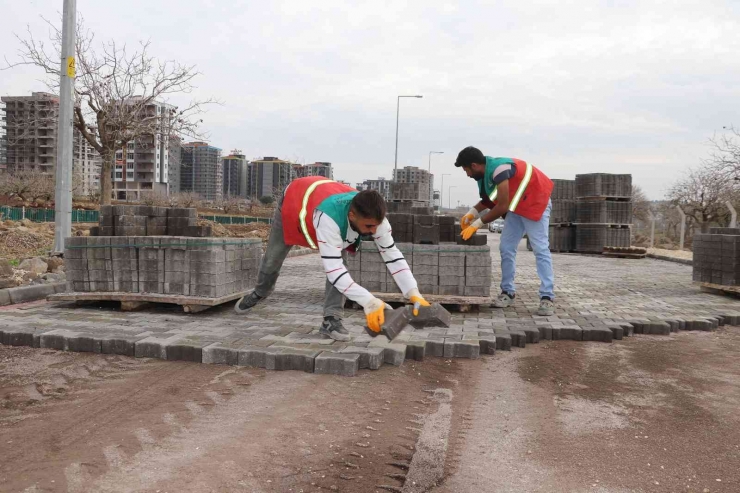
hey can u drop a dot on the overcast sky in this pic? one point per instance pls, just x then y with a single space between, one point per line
570 86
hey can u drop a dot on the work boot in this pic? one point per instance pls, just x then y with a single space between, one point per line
332 328
547 307
247 302
504 300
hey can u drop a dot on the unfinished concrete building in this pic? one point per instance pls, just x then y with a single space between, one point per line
201 170
236 175
382 185
411 174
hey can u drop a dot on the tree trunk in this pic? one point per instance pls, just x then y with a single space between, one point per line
106 183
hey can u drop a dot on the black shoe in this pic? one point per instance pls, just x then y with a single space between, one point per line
247 302
332 328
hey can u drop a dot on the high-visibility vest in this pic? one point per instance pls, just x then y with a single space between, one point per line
529 188
301 199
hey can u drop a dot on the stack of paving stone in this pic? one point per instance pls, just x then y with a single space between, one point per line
562 216
717 257
142 220
603 211
210 267
446 269
428 229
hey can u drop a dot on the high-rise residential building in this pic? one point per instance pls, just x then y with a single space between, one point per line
236 175
413 174
86 166
316 169
268 176
30 124
381 185
201 170
143 166
173 181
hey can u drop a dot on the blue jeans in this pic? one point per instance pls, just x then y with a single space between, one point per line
538 233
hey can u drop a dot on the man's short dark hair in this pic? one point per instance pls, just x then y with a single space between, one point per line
468 156
369 204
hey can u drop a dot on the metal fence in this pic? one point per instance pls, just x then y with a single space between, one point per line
83 216
45 215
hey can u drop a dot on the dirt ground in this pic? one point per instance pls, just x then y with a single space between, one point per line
647 414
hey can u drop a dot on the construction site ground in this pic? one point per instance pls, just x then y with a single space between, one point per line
645 414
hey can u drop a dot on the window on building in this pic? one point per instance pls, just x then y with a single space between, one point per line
130 155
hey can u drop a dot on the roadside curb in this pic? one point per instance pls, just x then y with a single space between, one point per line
671 259
24 294
298 251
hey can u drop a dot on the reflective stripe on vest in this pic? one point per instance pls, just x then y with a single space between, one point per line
304 211
519 191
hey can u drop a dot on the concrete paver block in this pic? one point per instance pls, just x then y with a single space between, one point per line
370 357
415 350
343 364
431 316
454 348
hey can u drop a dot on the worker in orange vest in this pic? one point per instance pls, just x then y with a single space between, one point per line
518 191
332 217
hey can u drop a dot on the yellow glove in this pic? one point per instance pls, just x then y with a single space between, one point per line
468 218
470 230
415 297
375 314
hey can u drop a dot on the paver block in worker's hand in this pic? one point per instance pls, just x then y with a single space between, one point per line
331 363
395 321
431 316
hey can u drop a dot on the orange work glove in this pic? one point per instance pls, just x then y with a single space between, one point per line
468 218
415 297
375 314
470 230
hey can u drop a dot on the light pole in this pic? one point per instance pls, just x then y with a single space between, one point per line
442 198
398 107
449 195
430 159
63 185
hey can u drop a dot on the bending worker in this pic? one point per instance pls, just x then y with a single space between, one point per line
324 214
520 192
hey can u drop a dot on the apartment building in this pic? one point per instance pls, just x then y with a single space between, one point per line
30 124
269 175
381 185
236 175
201 170
316 169
86 167
173 179
143 166
416 175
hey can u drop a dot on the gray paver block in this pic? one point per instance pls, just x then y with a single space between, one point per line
255 356
370 357
151 347
53 340
487 343
503 341
291 359
217 354
532 334
570 334
657 328
431 316
597 334
435 347
518 338
343 364
24 294
415 350
617 332
22 336
5 297
125 346
455 348
545 333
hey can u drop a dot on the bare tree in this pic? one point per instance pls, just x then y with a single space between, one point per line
702 194
640 204
28 185
118 95
725 157
185 199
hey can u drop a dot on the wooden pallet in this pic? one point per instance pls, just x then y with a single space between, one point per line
624 255
456 303
137 301
708 287
614 198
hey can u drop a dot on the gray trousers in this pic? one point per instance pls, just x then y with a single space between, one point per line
272 262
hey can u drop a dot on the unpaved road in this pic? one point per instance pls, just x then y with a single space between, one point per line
647 414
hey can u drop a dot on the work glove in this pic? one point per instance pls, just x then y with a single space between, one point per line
470 230
375 314
468 218
415 297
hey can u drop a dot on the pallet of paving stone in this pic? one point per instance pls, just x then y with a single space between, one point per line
453 303
719 289
604 185
137 301
592 238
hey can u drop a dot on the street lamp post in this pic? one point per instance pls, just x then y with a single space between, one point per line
398 107
442 191
449 195
430 159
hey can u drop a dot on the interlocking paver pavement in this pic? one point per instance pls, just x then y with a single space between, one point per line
598 299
